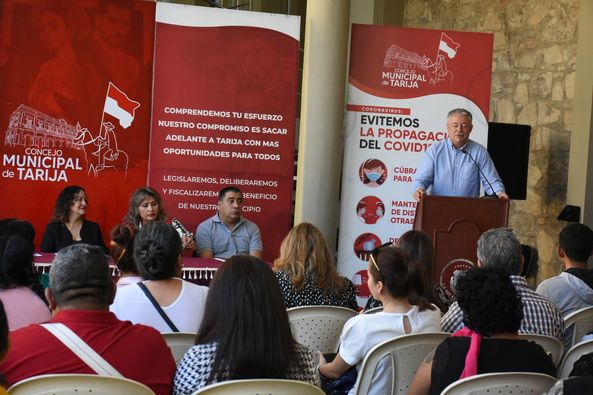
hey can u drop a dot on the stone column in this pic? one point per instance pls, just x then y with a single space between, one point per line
322 115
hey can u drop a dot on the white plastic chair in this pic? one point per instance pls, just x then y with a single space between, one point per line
404 354
507 383
374 310
319 327
179 343
572 355
261 387
576 325
552 346
76 384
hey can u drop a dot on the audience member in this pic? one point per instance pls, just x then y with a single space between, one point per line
17 275
68 225
145 206
500 248
80 292
306 271
419 247
397 283
122 252
3 346
227 233
163 301
489 343
245 333
572 289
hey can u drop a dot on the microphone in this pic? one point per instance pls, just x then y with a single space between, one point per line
480 170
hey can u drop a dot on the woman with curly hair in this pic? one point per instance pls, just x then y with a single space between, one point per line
306 271
68 224
489 343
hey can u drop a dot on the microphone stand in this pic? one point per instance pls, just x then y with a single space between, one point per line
494 195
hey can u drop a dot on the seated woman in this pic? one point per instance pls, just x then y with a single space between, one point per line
23 306
176 305
489 343
395 281
146 205
68 225
245 333
306 271
122 252
419 247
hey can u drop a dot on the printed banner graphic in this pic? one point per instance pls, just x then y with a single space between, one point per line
224 113
75 101
402 84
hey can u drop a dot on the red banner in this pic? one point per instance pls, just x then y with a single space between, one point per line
224 113
65 65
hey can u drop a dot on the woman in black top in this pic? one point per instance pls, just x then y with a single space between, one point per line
68 225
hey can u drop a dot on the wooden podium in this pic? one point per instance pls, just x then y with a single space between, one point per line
454 225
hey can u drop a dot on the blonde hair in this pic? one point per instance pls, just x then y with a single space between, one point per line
304 250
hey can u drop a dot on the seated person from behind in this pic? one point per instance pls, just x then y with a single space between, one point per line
157 253
227 233
489 342
23 306
572 289
245 333
397 283
3 345
306 271
448 167
68 225
121 250
500 248
79 295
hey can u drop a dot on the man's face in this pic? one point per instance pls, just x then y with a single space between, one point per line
114 25
459 127
229 209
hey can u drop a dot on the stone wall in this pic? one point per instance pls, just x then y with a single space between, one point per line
535 44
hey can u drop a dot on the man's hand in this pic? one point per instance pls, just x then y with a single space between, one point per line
419 194
503 196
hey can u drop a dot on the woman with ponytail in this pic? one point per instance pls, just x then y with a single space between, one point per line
163 300
398 283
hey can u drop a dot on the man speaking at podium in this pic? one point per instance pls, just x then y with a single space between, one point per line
455 166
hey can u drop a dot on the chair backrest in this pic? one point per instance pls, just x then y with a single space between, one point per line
552 346
572 355
507 383
260 386
404 354
576 325
319 327
76 384
179 343
374 310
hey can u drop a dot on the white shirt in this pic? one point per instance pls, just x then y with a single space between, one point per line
186 312
363 332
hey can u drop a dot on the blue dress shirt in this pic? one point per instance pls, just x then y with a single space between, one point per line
452 172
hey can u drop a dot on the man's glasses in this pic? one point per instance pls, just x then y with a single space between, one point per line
372 258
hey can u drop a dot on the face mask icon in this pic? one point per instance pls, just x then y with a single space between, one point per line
373 176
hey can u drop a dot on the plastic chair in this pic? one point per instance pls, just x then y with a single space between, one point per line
507 383
76 384
374 310
576 325
319 327
179 343
552 346
572 355
261 387
405 353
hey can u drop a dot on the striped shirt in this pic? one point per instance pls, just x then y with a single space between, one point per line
540 316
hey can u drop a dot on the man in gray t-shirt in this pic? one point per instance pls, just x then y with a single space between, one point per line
226 233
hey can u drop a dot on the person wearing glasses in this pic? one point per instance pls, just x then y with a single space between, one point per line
396 281
68 224
455 166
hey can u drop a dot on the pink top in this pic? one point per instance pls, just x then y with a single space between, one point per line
23 307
